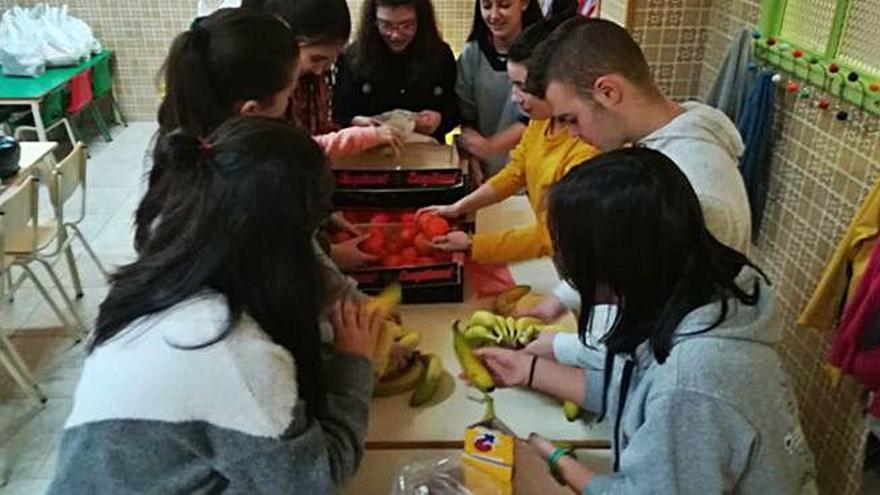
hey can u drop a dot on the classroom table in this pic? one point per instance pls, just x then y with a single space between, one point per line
33 156
397 432
30 91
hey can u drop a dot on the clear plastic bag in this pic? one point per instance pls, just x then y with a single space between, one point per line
442 476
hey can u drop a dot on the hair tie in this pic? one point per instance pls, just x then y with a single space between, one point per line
205 146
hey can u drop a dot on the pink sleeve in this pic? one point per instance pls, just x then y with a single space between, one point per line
348 141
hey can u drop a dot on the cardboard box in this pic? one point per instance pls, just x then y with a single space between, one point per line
439 281
423 174
531 476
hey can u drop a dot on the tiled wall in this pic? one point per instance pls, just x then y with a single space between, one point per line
140 32
822 169
673 35
615 10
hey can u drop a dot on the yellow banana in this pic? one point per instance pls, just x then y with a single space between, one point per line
571 410
474 369
528 302
410 340
482 318
401 382
383 346
387 300
430 382
505 303
385 303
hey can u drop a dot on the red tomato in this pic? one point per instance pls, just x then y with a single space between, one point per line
375 243
409 255
342 236
423 219
408 235
393 247
436 226
425 260
380 218
392 261
408 217
423 245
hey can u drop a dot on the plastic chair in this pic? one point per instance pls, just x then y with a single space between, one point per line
67 177
25 237
9 356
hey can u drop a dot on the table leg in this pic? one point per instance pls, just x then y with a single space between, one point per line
38 121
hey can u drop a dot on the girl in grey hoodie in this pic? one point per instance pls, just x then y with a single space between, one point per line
696 393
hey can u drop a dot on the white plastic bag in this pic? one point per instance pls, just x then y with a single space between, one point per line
59 48
206 7
21 51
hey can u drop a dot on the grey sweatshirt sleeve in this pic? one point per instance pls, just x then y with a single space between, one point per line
690 443
464 83
317 456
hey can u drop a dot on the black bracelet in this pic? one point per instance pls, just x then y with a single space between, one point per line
532 371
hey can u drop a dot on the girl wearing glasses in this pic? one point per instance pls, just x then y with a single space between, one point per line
398 61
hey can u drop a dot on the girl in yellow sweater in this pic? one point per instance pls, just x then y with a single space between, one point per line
543 156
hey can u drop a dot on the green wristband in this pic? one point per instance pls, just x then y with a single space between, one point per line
557 454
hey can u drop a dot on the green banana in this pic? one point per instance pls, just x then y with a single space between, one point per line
479 336
474 369
527 322
401 382
527 335
571 410
482 318
430 382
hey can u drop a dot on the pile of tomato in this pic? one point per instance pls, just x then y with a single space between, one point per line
402 239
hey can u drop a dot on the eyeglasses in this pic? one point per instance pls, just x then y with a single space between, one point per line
405 27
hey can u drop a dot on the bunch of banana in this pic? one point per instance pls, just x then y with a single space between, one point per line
385 303
505 303
422 375
485 329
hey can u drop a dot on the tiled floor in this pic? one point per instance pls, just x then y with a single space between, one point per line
29 437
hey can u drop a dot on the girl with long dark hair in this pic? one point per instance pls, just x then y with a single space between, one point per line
206 372
697 396
398 61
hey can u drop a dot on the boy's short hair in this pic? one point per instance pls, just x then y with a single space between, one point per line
582 50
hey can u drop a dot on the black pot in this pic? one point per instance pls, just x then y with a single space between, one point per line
10 153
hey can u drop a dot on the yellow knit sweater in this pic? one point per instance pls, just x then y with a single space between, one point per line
543 156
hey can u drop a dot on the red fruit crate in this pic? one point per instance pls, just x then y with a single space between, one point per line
405 255
423 174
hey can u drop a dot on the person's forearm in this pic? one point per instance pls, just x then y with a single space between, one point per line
485 195
575 474
559 381
507 139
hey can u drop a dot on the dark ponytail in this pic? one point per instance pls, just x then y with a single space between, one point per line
239 212
231 56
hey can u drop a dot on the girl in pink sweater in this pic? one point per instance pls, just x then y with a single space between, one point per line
322 29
